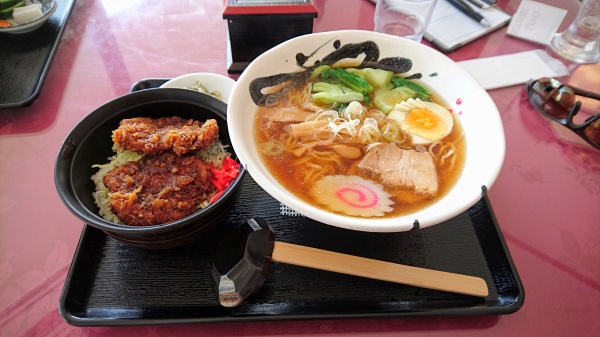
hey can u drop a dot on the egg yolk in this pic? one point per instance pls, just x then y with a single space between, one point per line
424 123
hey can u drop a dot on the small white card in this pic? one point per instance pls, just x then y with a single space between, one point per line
536 22
512 69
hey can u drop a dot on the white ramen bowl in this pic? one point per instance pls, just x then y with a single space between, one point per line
212 82
475 110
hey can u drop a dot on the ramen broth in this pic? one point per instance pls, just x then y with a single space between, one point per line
297 168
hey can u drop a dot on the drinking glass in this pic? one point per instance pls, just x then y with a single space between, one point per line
579 43
405 18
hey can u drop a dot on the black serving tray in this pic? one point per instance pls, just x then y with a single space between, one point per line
25 58
111 283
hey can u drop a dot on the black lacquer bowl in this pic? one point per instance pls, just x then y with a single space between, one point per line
90 143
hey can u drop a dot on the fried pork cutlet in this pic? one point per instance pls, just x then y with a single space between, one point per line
148 135
158 188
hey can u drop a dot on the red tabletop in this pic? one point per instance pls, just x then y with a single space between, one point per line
546 198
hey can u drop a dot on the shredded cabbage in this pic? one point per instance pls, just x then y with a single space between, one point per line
215 153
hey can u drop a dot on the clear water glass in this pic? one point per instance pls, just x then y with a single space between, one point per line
405 18
580 42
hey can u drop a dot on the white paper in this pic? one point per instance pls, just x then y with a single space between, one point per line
506 70
449 28
536 22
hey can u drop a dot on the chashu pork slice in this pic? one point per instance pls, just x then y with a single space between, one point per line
396 167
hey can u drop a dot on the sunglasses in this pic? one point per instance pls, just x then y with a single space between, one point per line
559 103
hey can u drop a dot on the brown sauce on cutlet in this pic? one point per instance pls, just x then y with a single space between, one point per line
158 188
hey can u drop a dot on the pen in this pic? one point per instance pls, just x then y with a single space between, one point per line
480 4
470 12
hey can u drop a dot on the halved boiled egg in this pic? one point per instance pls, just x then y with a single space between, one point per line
425 122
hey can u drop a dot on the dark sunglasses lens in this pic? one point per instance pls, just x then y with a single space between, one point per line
553 101
592 132
556 101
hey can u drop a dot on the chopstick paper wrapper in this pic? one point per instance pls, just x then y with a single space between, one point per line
512 69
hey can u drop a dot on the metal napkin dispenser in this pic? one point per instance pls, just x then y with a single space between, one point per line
255 26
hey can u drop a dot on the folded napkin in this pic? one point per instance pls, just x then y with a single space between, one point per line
536 22
512 69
